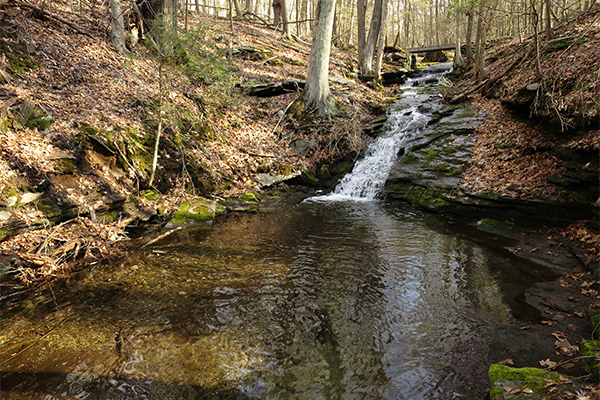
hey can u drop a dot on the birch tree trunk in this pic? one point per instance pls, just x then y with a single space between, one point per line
316 95
117 30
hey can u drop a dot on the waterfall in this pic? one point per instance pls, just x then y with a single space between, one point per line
369 174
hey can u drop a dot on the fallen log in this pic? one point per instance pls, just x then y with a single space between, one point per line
273 89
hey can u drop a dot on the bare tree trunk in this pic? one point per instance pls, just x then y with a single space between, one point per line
362 11
536 40
316 95
458 60
366 63
285 19
239 13
548 20
479 46
469 38
117 30
381 41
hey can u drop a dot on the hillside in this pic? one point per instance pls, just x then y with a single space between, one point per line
79 123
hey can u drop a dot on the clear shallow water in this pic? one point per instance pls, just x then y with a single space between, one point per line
342 300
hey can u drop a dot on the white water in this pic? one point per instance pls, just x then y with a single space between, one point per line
368 177
370 173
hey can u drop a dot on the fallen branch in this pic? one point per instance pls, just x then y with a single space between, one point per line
59 19
164 235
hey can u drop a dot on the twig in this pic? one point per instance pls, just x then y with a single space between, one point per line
284 114
50 15
164 235
45 242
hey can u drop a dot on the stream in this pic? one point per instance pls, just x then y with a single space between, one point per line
340 297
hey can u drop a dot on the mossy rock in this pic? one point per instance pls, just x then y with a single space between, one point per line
524 383
591 349
33 116
323 173
428 197
150 195
19 63
252 196
198 212
310 179
66 165
593 315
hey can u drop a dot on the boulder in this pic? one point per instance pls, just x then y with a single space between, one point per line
198 212
302 146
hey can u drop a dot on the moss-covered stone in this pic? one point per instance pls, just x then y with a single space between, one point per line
66 165
323 173
199 211
310 179
150 195
19 63
530 381
591 349
252 196
409 159
428 197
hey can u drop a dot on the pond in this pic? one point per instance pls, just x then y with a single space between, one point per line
323 300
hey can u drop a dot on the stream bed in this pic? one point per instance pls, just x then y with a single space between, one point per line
323 300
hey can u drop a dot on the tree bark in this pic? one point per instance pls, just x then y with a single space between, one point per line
381 41
117 30
316 95
469 38
362 11
366 62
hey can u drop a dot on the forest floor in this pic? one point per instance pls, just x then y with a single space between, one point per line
60 67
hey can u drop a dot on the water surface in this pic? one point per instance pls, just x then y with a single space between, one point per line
340 300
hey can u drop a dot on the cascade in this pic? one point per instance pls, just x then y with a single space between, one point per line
367 178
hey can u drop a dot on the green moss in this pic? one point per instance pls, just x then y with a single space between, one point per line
19 63
200 210
430 154
323 173
88 129
33 116
66 165
453 171
591 349
249 196
150 195
49 207
409 159
594 317
110 216
443 167
504 145
532 378
310 179
426 196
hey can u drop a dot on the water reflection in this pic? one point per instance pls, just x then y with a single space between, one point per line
322 301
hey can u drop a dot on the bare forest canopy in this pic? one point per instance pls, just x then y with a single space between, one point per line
410 23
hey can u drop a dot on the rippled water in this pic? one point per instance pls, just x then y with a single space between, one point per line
348 300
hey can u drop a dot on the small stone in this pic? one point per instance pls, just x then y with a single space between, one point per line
533 86
182 293
5 215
